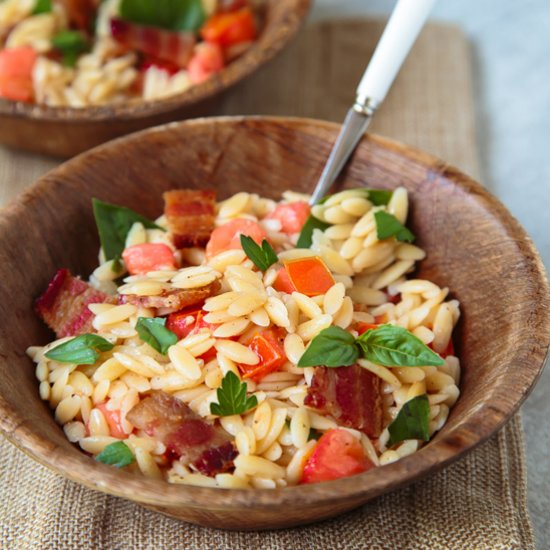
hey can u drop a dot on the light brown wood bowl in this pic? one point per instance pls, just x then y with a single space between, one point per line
65 132
475 247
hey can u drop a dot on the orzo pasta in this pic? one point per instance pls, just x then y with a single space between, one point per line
250 343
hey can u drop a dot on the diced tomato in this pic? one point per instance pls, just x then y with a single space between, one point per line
207 60
16 66
292 216
183 322
381 319
230 28
337 454
268 346
142 258
283 282
361 328
113 420
310 276
228 236
449 350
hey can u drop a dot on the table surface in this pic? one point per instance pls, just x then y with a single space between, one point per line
511 52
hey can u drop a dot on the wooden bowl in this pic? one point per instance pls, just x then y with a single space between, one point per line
65 132
474 246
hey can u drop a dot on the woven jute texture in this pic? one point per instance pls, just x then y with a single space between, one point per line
479 502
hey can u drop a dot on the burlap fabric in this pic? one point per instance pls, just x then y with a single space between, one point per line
480 502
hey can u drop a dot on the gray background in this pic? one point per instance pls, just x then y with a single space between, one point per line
510 43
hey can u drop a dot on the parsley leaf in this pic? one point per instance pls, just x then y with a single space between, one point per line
82 350
113 223
176 15
42 6
379 197
232 397
263 256
116 454
411 421
388 225
304 239
71 44
394 346
152 330
332 347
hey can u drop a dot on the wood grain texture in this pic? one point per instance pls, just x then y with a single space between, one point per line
474 246
64 132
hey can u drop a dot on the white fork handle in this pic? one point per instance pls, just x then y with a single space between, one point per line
405 23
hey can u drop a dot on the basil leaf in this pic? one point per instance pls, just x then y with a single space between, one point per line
388 226
394 346
153 332
176 15
263 256
70 44
332 347
82 350
232 398
113 223
304 240
116 454
42 6
411 421
379 197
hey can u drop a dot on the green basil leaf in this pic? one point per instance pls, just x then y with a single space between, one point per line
304 240
232 398
81 350
332 347
411 421
70 44
152 331
388 226
42 6
113 223
394 346
263 256
176 15
116 454
379 197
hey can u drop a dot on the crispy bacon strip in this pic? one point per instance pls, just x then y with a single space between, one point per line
173 299
351 395
190 215
204 446
64 304
81 13
175 47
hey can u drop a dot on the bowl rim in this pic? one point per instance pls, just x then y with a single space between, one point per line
444 449
258 54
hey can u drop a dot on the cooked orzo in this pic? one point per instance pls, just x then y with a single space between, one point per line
250 343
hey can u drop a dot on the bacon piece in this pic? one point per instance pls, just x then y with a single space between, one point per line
190 214
350 394
201 444
64 304
175 47
173 299
81 13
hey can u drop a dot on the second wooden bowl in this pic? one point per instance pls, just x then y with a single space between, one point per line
474 246
65 132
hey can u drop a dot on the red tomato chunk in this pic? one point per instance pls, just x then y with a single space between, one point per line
228 236
268 346
113 420
310 276
206 61
16 66
292 216
337 454
142 258
228 29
